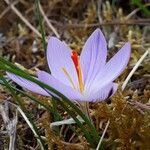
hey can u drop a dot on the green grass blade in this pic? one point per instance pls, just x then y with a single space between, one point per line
141 6
54 108
40 20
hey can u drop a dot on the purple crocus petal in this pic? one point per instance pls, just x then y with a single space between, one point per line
117 63
59 57
103 93
27 84
93 56
113 68
59 86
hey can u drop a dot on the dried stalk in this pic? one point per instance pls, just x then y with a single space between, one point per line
104 23
104 132
7 9
134 69
18 13
10 124
135 11
48 22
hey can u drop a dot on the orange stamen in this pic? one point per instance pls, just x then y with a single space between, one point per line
76 62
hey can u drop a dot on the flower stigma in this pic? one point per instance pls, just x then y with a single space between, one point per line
77 65
76 62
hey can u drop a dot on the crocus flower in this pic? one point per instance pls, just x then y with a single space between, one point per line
85 78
